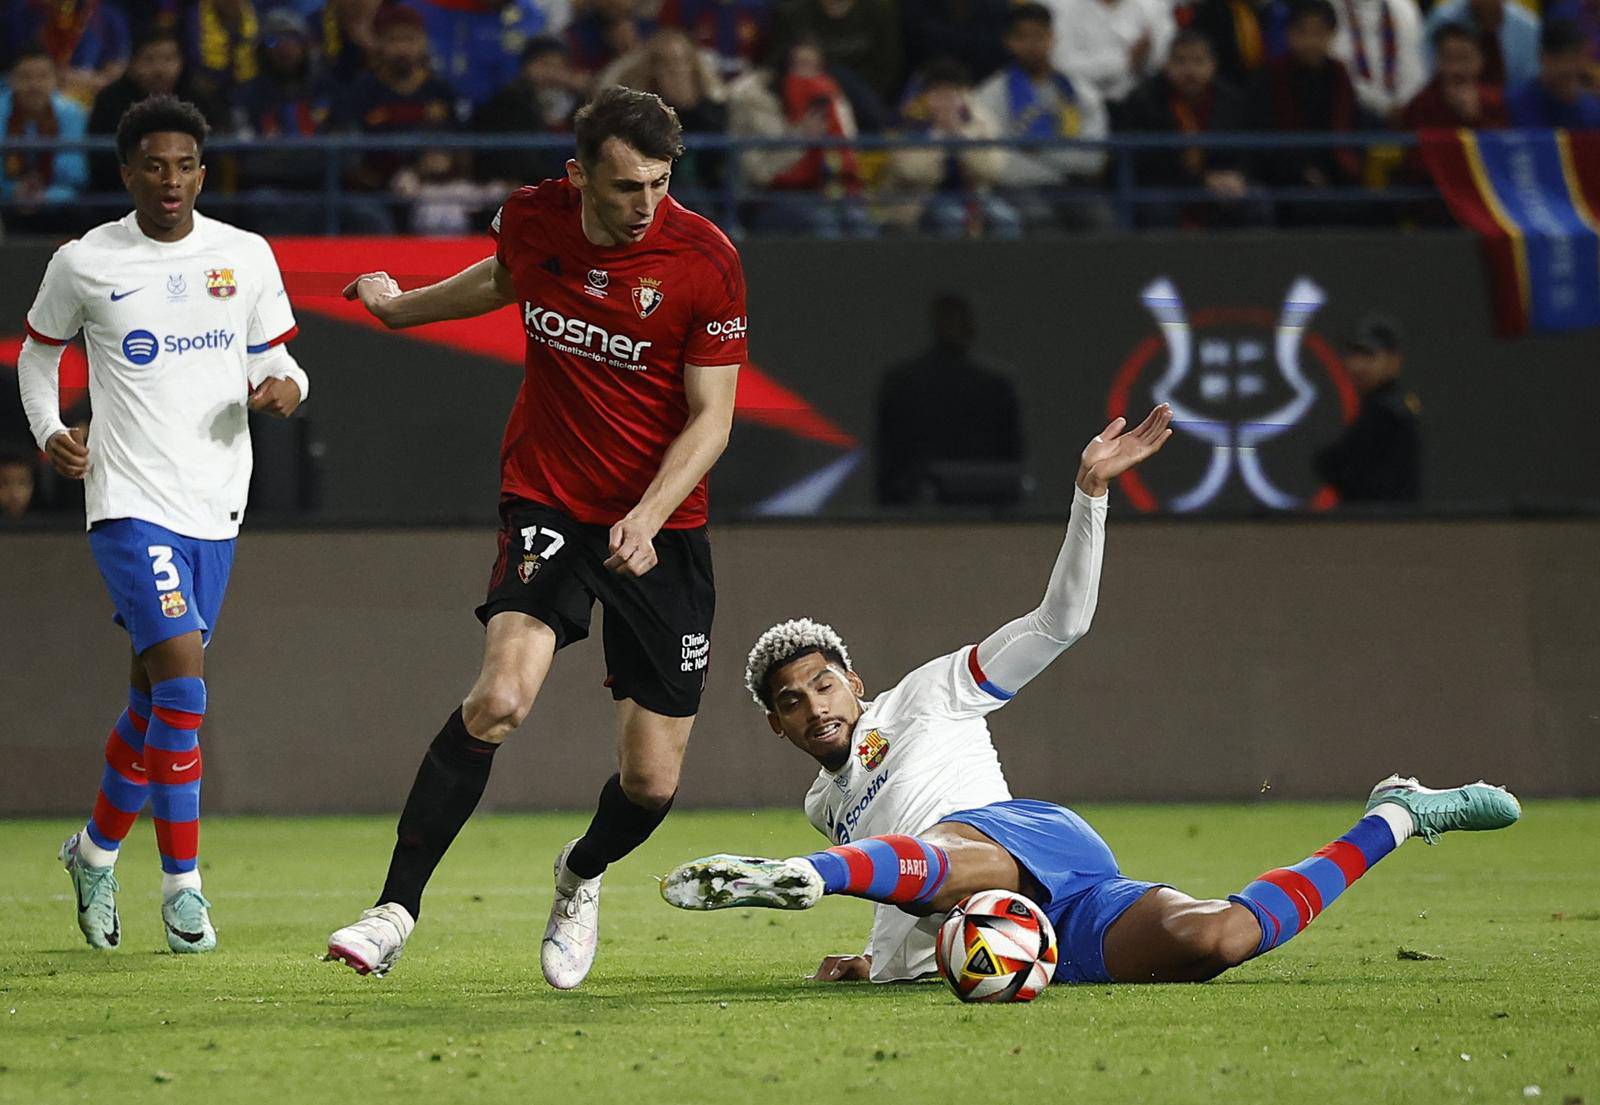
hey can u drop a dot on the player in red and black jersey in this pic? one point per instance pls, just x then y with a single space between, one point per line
634 309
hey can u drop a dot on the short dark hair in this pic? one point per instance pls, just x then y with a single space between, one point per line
32 50
641 119
1029 12
154 115
830 654
1558 36
943 71
1454 32
1188 36
540 45
1301 10
154 36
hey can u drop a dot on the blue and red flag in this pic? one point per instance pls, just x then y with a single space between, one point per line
1534 198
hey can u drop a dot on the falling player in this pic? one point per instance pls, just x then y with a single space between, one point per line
912 795
634 310
184 319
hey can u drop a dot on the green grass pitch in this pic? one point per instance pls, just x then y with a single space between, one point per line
715 1008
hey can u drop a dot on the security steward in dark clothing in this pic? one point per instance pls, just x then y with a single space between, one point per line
1377 458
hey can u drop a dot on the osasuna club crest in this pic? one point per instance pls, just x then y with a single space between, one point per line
647 296
529 567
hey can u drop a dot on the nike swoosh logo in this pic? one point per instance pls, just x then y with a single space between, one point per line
185 767
191 937
124 295
82 907
137 766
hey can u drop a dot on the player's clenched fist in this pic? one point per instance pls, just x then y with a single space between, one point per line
276 397
633 551
69 452
374 290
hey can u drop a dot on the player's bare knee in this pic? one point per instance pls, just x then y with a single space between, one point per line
650 789
493 710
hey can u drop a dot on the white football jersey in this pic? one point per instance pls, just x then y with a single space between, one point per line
171 330
921 751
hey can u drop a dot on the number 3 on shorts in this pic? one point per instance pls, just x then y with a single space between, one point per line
161 565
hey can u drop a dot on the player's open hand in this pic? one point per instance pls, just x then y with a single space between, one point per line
374 290
844 968
632 545
68 451
1114 451
275 396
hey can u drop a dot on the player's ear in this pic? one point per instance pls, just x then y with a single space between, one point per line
575 173
772 720
856 685
200 185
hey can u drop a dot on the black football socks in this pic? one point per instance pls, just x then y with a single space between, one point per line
619 826
448 786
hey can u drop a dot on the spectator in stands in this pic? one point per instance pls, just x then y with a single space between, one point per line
1559 97
1585 16
1113 44
542 100
971 31
1308 90
87 42
18 477
958 183
606 31
735 30
1030 99
221 38
1378 456
291 97
1508 37
34 185
1457 96
861 36
814 192
400 94
1238 40
155 68
477 44
1380 42
1187 98
949 426
689 79
349 38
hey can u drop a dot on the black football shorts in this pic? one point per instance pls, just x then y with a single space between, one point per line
657 628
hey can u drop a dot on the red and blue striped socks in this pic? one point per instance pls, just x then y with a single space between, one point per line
1287 899
172 758
123 784
898 869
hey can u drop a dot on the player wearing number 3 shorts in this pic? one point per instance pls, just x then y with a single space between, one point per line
634 312
185 322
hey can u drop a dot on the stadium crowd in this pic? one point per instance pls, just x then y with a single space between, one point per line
803 70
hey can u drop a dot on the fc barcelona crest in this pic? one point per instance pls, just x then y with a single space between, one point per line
220 284
647 296
872 749
173 604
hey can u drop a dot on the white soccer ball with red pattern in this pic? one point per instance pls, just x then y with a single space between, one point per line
997 946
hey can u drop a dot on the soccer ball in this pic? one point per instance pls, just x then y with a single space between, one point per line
997 945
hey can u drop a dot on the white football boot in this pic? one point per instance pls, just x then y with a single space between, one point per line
730 882
373 944
573 934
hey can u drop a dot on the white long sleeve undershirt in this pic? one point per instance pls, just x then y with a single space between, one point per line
1018 651
39 380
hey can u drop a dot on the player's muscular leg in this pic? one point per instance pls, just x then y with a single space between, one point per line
976 863
178 657
517 652
650 747
1167 936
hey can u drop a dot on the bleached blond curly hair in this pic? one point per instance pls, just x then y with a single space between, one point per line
782 643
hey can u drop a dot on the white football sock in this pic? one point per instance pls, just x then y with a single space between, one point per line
186 880
1399 819
94 855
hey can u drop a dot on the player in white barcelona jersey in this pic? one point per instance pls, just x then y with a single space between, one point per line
184 319
912 796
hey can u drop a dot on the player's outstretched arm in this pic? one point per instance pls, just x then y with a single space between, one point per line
473 291
1018 651
709 391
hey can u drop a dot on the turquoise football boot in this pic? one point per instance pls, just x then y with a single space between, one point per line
187 920
96 890
1474 807
726 882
